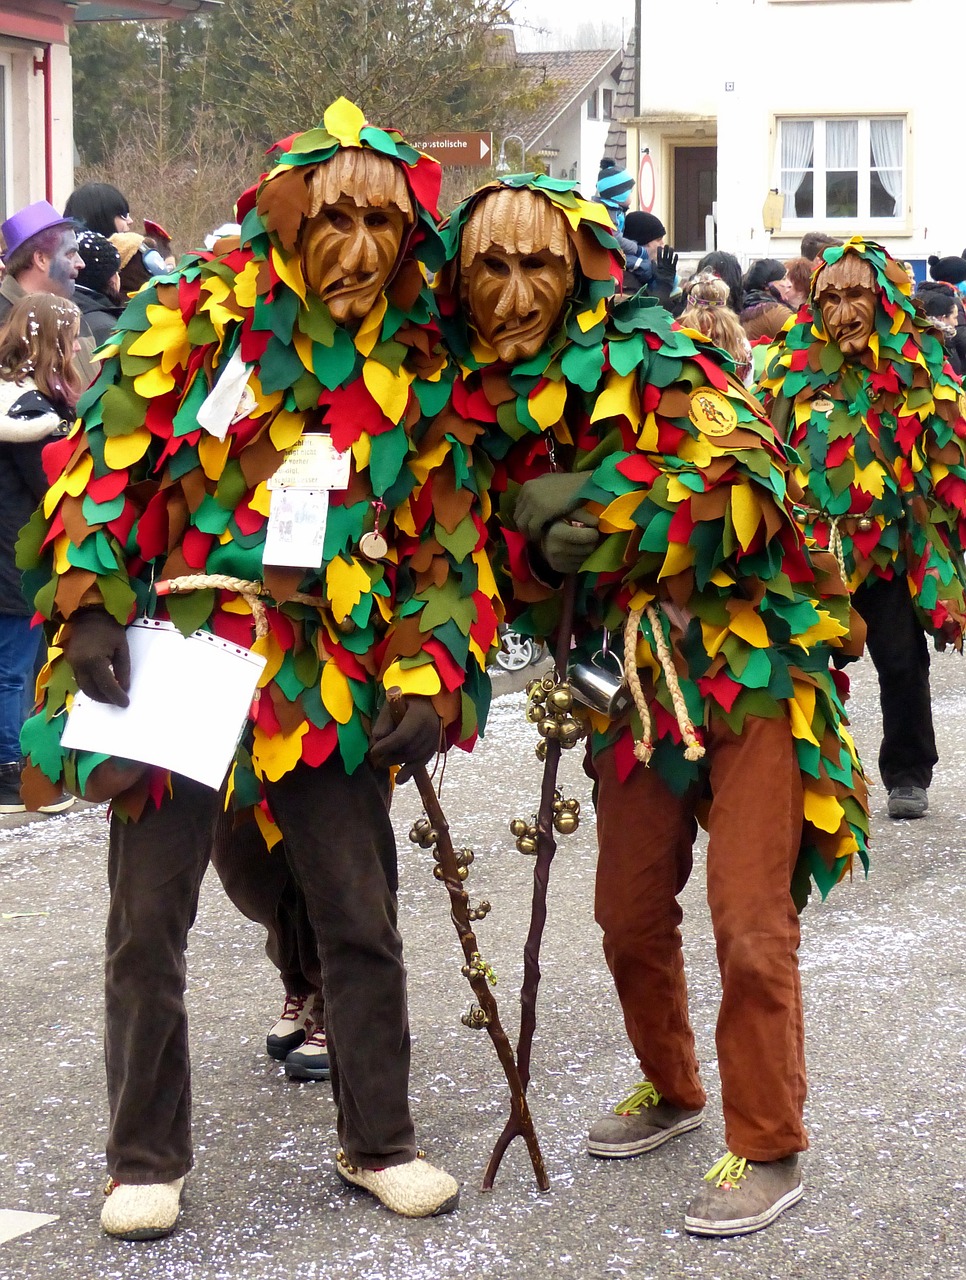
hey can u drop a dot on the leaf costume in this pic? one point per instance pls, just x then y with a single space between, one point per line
881 443
142 495
690 485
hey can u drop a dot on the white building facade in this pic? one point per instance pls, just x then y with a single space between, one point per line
822 100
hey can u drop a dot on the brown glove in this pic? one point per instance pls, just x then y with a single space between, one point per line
95 645
411 742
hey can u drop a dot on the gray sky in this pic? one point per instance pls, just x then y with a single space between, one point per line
565 16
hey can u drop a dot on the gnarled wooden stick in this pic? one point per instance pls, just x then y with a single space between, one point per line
546 848
474 969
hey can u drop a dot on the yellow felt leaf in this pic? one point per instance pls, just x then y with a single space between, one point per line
269 831
587 319
745 514
336 694
245 285
274 756
640 599
404 521
389 390
422 680
290 271
344 120
746 623
647 436
618 399
268 647
482 658
286 429
678 492
547 405
212 454
155 382
237 604
167 330
124 451
424 463
220 304
941 392
823 812
61 543
713 637
617 516
679 557
368 333
698 450
261 499
486 582
805 697
897 320
870 479
722 579
361 452
75 481
799 723
345 583
827 628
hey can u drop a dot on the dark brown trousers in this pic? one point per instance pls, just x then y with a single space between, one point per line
646 836
341 849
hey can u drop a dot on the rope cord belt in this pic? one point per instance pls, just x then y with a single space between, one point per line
250 592
644 747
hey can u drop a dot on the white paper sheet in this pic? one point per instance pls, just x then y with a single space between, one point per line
189 703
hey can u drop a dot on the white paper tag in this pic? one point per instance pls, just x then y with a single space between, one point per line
227 396
313 463
296 528
189 703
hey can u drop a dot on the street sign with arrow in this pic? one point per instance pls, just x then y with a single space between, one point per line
469 149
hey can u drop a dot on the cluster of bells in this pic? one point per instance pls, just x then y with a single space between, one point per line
550 706
566 820
862 523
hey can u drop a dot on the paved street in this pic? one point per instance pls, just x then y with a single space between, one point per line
883 964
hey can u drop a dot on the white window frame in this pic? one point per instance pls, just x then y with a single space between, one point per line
607 104
863 221
7 204
592 107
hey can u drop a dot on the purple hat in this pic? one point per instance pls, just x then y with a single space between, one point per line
30 222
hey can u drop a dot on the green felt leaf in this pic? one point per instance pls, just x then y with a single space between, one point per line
353 743
211 516
40 741
201 332
625 355
118 595
186 419
462 541
123 410
30 540
231 487
582 366
189 611
101 512
333 365
386 458
315 321
279 367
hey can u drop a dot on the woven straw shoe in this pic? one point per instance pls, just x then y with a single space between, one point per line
414 1190
141 1212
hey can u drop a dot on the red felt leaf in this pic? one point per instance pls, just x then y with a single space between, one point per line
450 671
721 687
350 411
196 546
625 761
248 521
56 528
348 663
483 630
153 527
318 744
838 451
639 469
713 372
651 397
121 525
472 405
669 436
107 487
56 456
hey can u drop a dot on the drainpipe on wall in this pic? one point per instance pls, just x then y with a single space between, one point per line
42 67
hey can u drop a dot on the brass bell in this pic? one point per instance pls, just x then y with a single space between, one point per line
566 822
462 872
470 971
540 750
534 712
438 872
527 844
464 857
518 827
573 805
569 734
548 728
480 911
414 835
865 524
561 699
474 1018
535 690
549 683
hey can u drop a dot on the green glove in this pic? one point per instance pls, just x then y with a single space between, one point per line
566 546
545 499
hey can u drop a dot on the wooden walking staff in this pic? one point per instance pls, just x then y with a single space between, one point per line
452 868
545 850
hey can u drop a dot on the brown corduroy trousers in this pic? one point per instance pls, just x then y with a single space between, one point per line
341 849
646 835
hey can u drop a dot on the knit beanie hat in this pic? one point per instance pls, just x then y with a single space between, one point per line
127 243
948 270
101 260
643 227
614 185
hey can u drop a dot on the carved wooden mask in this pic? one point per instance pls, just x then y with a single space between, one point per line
846 295
517 269
359 216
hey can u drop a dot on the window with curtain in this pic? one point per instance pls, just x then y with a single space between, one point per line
842 169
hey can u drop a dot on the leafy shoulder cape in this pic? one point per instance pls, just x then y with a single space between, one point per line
881 445
690 485
142 495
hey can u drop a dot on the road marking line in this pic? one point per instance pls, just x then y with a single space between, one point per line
14 1222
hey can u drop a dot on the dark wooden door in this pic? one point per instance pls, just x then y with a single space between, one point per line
695 190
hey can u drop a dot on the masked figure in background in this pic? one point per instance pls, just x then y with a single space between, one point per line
862 390
319 322
624 450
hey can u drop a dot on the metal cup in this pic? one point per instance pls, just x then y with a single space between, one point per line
599 687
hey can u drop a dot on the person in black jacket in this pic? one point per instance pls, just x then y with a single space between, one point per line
97 289
39 384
